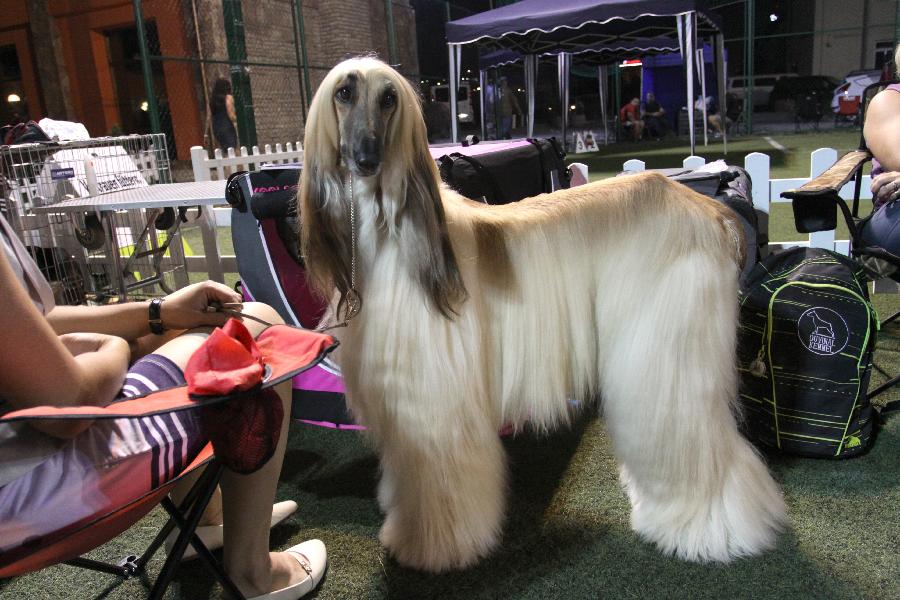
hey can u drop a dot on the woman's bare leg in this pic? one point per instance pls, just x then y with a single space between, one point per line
247 499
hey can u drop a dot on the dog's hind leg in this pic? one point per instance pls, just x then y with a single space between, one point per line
445 493
698 489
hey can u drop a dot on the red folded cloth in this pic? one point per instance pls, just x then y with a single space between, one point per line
244 431
229 361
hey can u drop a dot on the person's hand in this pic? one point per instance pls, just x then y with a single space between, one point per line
885 187
82 343
103 360
187 308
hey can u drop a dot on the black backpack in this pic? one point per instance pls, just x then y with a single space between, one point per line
805 346
732 187
509 174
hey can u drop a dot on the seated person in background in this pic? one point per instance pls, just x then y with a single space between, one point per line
54 474
654 117
713 116
882 133
630 117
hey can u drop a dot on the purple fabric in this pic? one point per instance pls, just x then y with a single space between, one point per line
475 150
318 379
331 425
572 16
877 169
293 278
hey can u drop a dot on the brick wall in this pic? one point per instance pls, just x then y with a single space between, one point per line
333 31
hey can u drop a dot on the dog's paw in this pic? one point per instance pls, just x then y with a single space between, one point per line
434 550
742 518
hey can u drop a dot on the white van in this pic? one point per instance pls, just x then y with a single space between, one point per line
441 93
762 87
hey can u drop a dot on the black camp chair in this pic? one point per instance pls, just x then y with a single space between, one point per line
815 207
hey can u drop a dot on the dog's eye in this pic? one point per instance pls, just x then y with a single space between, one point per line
389 100
344 94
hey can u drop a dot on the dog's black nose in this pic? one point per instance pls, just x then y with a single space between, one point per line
368 156
368 163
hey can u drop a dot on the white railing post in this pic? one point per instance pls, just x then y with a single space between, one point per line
693 162
198 163
819 161
757 166
633 166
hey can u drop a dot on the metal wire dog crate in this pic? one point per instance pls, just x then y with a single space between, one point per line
81 253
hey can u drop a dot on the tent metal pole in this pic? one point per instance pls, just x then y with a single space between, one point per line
687 56
749 39
701 67
602 83
451 84
530 76
721 79
562 62
482 80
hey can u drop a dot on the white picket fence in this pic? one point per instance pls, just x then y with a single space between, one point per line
209 169
767 190
218 167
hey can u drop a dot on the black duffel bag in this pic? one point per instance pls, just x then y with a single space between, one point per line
508 174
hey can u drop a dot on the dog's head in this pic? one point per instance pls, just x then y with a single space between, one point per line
366 120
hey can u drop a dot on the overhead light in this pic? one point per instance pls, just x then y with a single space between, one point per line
13 98
773 17
145 106
463 116
572 107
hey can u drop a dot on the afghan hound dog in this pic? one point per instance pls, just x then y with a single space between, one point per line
477 316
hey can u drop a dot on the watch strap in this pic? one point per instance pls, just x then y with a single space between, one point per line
155 314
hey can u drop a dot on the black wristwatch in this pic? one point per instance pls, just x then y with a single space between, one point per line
156 324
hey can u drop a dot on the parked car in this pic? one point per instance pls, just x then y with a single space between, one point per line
441 94
762 87
791 91
853 85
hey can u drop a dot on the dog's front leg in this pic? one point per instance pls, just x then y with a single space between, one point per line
444 493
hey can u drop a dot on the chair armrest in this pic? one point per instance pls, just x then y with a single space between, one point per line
815 203
834 178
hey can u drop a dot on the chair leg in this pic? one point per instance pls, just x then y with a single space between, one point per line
206 487
894 381
127 568
884 386
893 317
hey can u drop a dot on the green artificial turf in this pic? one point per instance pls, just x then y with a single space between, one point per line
567 534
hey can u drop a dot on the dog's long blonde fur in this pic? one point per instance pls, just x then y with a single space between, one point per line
476 316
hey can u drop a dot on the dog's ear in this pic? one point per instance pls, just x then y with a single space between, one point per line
412 183
324 215
427 238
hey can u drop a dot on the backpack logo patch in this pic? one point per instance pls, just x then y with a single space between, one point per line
823 331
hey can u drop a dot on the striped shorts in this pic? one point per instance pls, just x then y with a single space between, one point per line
109 464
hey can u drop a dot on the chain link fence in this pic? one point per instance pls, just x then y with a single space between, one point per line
219 73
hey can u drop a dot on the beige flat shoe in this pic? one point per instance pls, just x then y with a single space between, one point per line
313 558
212 536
